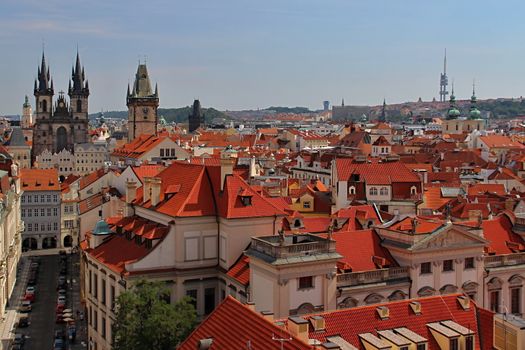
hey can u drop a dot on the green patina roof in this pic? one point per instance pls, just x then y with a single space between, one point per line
101 228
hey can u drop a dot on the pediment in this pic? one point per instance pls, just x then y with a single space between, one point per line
452 237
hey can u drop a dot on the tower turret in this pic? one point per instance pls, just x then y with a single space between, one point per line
196 118
142 105
382 117
43 91
78 92
27 115
453 112
474 112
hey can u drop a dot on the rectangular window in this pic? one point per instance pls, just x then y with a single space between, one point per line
426 267
36 198
162 152
209 300
494 301
55 211
112 296
403 348
192 293
30 227
42 198
42 227
306 205
48 226
55 198
306 282
23 199
469 263
36 212
95 286
95 320
173 152
42 212
469 342
421 346
103 292
29 212
55 226
23 213
103 327
48 212
29 199
90 283
515 301
454 344
448 265
48 197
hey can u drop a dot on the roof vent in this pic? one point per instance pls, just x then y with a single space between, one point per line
204 344
416 307
464 302
318 323
383 312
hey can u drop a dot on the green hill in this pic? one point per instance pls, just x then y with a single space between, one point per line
178 115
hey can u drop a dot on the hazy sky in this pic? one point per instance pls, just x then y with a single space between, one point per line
236 54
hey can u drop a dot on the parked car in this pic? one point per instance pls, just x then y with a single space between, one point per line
19 339
59 334
23 322
59 344
62 292
30 297
30 289
61 299
26 306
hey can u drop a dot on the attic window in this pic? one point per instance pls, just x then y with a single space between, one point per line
246 197
171 190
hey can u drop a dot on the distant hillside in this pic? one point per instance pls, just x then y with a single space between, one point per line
178 115
296 110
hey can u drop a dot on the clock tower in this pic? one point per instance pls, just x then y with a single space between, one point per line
142 105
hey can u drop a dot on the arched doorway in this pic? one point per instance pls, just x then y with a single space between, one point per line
61 138
68 241
29 244
49 242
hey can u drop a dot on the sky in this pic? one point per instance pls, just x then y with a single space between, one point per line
246 54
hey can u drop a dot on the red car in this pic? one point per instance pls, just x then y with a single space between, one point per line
30 297
60 308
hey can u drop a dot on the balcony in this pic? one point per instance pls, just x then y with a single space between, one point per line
375 276
493 261
275 248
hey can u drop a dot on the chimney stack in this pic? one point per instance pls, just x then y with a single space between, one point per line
227 163
155 183
298 327
131 191
146 189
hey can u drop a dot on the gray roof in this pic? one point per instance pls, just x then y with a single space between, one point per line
451 191
17 138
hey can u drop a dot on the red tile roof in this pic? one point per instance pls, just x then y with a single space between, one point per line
423 225
240 271
39 179
233 325
92 177
483 188
500 141
146 170
375 172
360 249
199 194
499 233
349 323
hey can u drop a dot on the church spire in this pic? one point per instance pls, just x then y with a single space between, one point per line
453 112
44 77
77 77
382 117
474 111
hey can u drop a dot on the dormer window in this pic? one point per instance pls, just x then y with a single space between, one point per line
246 197
351 190
413 190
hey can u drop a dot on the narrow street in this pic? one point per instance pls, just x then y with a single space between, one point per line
41 331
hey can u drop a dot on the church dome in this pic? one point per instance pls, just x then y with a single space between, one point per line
102 228
474 113
453 113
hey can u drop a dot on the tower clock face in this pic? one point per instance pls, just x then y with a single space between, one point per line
61 104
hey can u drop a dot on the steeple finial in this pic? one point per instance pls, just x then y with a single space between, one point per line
445 63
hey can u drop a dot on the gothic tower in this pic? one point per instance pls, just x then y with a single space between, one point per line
382 116
43 92
78 99
27 115
196 118
142 105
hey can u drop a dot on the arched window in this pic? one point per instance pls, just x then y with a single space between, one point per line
351 190
44 106
373 191
79 105
413 190
297 223
383 191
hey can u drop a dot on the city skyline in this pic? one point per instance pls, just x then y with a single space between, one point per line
236 55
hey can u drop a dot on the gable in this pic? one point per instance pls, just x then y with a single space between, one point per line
453 237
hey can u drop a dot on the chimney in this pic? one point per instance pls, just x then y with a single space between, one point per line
318 323
474 215
298 327
464 302
330 346
267 315
155 183
131 191
253 172
146 189
204 344
250 305
416 307
227 163
383 312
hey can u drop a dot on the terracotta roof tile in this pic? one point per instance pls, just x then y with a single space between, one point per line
39 179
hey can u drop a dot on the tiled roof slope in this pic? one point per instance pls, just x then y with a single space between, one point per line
375 172
199 194
39 179
232 325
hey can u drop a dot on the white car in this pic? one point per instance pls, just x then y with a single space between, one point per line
30 289
61 299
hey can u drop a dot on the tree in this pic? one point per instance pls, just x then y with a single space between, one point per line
146 320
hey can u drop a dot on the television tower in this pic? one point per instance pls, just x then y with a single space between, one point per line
443 82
